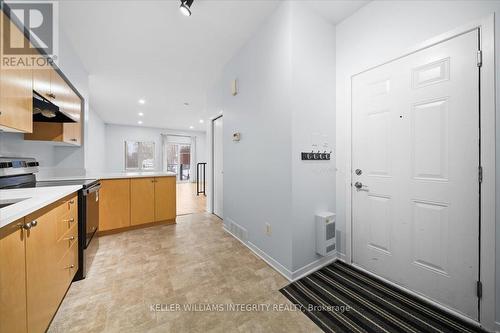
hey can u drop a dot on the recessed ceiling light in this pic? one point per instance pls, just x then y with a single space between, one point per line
185 7
191 127
186 104
140 122
141 114
141 101
202 121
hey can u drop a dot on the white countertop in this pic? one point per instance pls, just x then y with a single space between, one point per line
33 200
110 175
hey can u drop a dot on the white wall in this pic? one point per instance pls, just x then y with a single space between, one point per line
381 31
313 119
257 170
116 135
286 76
95 157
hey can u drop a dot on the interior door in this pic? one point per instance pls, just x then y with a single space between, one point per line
218 166
415 159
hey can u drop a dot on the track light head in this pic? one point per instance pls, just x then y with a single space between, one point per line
185 7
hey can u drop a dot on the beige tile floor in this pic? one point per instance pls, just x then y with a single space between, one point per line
192 262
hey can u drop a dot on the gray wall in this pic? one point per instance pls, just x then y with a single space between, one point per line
286 76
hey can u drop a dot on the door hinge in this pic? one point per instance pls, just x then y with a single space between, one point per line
479 289
480 174
479 58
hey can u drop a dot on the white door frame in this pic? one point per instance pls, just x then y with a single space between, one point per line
486 28
212 162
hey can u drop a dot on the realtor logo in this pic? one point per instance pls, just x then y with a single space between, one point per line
39 19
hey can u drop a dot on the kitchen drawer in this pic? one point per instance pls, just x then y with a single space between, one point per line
67 215
67 240
73 262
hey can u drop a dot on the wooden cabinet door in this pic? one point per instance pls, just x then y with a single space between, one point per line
12 279
46 272
73 107
165 198
16 105
142 200
114 204
41 81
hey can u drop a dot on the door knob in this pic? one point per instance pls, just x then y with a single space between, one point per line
358 172
360 187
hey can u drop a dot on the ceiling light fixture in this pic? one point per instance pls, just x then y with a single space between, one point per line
141 101
140 122
185 7
202 121
186 104
141 114
191 127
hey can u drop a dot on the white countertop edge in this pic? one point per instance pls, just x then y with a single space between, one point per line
38 198
110 175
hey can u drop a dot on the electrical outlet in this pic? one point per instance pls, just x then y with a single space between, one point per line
268 229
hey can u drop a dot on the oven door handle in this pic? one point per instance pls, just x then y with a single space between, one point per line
91 189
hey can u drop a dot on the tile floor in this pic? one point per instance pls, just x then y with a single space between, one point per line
192 262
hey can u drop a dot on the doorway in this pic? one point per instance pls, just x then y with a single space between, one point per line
180 157
415 160
218 172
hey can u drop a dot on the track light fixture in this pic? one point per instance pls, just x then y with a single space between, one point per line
185 7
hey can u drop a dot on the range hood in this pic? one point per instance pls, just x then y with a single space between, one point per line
47 112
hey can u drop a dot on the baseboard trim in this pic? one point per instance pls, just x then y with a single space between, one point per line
286 273
341 257
262 255
312 267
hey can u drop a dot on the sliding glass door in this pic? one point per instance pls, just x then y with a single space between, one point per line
179 160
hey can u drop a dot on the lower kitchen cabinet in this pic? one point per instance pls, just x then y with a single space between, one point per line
165 201
114 204
142 200
37 265
12 279
126 203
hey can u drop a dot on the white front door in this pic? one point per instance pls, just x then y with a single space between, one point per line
415 141
218 164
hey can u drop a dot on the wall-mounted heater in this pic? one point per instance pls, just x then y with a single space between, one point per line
325 233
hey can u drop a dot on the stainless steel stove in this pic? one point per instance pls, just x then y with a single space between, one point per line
17 172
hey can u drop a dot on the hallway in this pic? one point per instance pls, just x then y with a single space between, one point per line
187 200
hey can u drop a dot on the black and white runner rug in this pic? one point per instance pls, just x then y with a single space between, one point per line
341 298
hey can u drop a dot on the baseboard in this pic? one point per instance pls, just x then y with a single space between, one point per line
497 327
262 255
289 275
341 257
312 267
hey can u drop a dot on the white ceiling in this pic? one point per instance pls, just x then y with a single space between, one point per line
149 50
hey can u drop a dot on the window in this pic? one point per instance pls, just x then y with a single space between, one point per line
139 155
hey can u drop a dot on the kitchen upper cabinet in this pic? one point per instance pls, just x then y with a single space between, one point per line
16 106
12 279
114 204
142 200
49 84
165 200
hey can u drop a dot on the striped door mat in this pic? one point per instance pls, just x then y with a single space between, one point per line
340 298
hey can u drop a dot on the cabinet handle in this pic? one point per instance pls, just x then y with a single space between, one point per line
52 96
70 267
72 201
74 140
69 220
70 238
34 223
25 226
